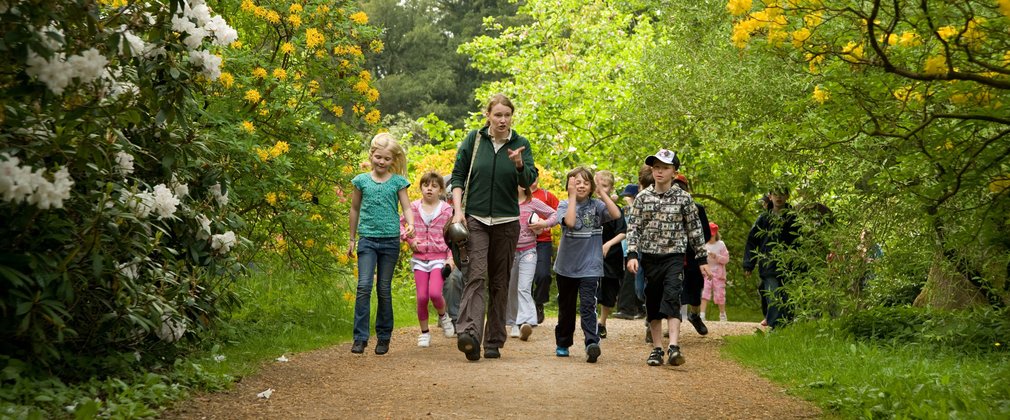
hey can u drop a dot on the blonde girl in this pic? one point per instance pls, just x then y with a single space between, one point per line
375 218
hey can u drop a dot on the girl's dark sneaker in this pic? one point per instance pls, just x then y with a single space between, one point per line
382 347
601 330
359 346
656 357
674 357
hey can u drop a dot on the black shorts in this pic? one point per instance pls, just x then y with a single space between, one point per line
664 281
606 294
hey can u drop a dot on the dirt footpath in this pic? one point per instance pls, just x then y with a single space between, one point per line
529 381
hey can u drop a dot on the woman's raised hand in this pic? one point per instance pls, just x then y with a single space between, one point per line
517 156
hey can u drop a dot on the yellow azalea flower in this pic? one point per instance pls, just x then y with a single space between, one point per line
337 110
358 109
295 8
813 20
348 296
271 198
309 243
292 103
820 95
372 95
947 32
376 46
935 65
226 79
263 154
320 54
361 86
889 39
314 38
252 95
1004 8
287 48
776 37
259 72
280 73
907 94
295 20
344 64
852 52
248 126
741 36
315 217
248 5
264 112
960 98
260 11
306 195
347 170
355 50
360 18
313 86
800 36
113 3
813 61
365 75
973 35
236 44
948 145
273 17
373 117
738 7
909 39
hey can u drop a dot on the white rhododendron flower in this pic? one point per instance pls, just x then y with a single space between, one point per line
222 199
210 63
223 243
165 201
124 161
23 184
204 231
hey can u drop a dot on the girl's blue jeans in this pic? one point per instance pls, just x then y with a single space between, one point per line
375 256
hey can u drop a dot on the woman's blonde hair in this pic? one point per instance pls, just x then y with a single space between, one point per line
385 141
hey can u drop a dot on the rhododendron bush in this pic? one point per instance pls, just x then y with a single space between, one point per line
142 144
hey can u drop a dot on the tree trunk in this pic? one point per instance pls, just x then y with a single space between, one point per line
946 288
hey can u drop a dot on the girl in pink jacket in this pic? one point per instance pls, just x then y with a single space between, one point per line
430 253
715 282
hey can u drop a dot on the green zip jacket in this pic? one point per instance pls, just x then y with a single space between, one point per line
495 181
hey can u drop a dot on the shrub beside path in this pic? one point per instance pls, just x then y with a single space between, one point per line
527 382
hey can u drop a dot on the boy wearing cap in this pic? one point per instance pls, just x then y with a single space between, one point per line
663 226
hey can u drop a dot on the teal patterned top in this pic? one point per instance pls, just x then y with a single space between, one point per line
379 216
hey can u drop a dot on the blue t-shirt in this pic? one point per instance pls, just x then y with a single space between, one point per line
379 217
580 253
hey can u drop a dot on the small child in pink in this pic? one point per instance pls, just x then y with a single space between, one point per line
715 282
521 311
430 253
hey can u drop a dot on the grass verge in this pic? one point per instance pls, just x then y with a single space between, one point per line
855 379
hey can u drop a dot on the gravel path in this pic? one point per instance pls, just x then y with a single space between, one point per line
527 382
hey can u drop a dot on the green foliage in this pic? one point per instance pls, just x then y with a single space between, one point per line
855 379
970 331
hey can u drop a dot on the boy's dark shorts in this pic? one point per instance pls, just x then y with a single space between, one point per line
606 294
664 281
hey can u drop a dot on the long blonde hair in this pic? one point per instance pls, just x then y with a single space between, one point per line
385 141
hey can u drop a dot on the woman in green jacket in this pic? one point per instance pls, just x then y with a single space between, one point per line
491 164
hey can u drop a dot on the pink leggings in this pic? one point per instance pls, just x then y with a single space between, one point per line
429 286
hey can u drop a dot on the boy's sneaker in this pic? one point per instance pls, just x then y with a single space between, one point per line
592 352
447 328
561 351
524 332
382 347
656 357
540 313
699 325
514 332
601 330
359 346
467 344
424 340
674 357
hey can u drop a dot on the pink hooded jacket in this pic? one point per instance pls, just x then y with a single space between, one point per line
428 240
